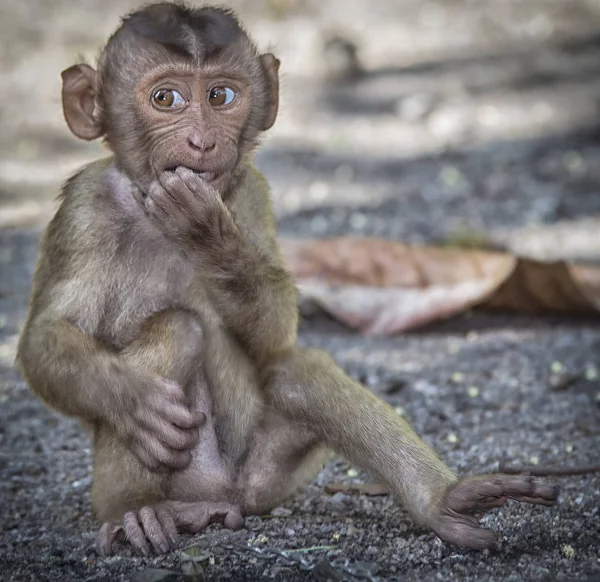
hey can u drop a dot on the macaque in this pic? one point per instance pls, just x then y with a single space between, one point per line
162 315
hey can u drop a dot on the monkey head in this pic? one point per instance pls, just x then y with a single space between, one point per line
175 86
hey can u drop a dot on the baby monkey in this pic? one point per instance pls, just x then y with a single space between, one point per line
163 318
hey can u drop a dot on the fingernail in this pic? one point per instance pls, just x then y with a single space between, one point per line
163 547
145 551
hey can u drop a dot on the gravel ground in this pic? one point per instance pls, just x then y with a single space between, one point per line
471 119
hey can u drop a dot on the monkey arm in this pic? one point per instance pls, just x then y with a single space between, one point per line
71 371
235 257
255 294
256 298
79 377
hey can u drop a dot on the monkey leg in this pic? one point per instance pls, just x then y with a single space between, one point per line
308 387
169 346
283 455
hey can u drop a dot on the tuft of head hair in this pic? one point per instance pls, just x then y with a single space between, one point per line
185 30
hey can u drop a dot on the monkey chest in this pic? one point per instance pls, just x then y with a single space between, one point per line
139 288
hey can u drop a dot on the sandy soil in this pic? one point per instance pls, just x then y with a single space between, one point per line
471 118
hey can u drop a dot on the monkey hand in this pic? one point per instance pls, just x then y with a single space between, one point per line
158 426
456 517
189 210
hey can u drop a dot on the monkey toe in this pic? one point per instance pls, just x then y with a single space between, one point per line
478 494
534 491
464 531
196 516
135 534
234 519
108 533
153 531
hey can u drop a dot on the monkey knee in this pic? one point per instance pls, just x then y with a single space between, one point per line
177 330
300 364
186 331
290 379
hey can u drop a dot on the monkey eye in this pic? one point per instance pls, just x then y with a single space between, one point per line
167 98
218 96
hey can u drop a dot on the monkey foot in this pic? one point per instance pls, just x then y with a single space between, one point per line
465 503
157 527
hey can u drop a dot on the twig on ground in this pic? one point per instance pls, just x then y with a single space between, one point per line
536 471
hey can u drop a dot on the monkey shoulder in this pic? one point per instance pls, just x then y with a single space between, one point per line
99 259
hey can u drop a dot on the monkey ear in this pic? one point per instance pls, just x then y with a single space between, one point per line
270 65
80 84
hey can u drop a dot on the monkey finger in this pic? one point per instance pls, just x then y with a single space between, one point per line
171 458
172 436
108 533
154 531
135 534
156 456
174 185
182 416
155 192
194 182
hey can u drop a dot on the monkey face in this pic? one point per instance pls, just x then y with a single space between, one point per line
175 87
194 118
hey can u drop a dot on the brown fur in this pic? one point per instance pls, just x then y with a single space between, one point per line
162 315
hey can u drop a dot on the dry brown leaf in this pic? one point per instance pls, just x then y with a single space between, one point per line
383 287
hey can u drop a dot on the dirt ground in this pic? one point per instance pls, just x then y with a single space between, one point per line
471 118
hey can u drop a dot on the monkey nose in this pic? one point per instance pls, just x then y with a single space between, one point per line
201 141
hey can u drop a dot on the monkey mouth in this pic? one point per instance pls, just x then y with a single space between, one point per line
207 176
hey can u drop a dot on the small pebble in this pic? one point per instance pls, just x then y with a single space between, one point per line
473 391
568 551
289 532
452 438
591 373
457 377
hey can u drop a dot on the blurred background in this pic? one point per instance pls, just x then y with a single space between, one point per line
417 120
446 122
